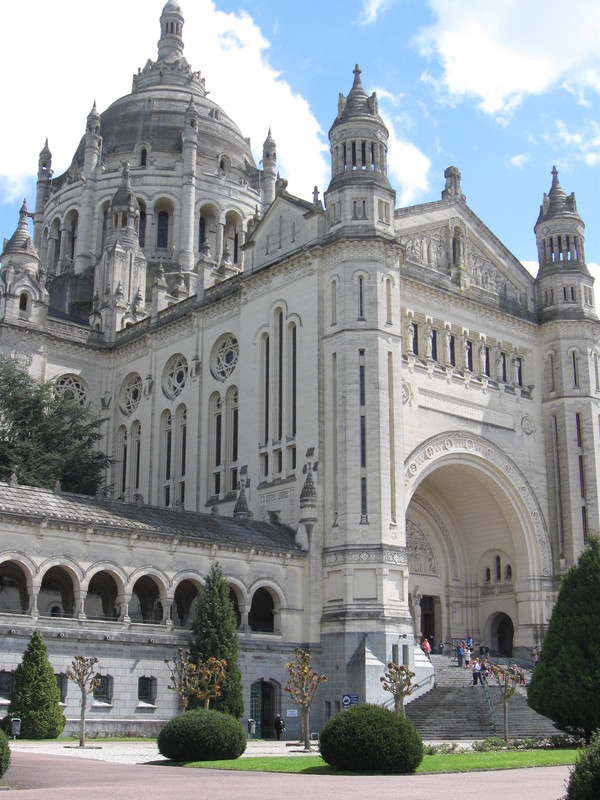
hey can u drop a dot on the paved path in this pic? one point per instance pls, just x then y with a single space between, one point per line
35 774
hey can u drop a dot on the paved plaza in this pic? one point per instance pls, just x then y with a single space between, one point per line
123 771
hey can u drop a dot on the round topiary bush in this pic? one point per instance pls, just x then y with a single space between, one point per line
584 781
373 739
202 735
4 753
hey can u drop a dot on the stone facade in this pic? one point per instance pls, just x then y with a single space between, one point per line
375 419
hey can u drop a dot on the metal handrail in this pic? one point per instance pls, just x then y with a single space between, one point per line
488 700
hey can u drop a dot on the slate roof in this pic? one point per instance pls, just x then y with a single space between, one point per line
114 515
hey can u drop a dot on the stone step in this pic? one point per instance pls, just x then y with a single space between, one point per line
455 709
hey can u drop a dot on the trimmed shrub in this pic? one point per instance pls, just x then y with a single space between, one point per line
4 753
36 696
584 781
372 739
202 735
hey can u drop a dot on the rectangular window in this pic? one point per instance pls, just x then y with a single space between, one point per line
6 683
147 690
469 355
61 682
519 370
103 691
434 345
452 347
416 339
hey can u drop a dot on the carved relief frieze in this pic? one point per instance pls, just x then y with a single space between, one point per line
432 511
373 555
421 558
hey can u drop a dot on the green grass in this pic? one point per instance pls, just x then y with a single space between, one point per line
453 762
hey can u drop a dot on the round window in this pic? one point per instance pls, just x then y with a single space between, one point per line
131 393
225 357
175 376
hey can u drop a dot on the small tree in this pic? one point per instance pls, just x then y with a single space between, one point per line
200 680
301 687
508 685
398 681
47 436
215 634
36 696
83 674
564 684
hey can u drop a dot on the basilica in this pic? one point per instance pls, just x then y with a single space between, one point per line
377 422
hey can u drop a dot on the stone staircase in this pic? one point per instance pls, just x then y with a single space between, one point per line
455 709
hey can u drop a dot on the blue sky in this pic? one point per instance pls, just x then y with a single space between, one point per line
501 90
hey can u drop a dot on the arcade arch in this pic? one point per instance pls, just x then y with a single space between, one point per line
477 544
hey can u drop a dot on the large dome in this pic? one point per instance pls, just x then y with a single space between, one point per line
154 113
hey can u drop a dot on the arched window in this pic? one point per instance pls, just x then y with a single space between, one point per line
24 303
361 297
232 439
166 457
201 231
216 422
261 616
122 462
388 300
143 157
334 303
142 228
162 230
498 568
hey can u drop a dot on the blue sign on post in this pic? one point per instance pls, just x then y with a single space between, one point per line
349 700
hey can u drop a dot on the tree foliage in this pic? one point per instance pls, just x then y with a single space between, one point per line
36 696
45 436
301 686
565 684
197 679
215 635
83 673
398 681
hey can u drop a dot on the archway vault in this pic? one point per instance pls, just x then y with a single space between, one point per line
498 475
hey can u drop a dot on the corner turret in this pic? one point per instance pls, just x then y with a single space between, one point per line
564 286
269 177
23 295
359 196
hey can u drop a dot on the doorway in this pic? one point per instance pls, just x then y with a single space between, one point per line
262 708
502 631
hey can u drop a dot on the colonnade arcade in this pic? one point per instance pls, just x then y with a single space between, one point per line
476 538
59 588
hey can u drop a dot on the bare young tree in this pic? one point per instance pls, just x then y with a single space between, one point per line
84 674
507 681
301 687
398 681
200 679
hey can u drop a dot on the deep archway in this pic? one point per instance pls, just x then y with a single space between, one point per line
476 539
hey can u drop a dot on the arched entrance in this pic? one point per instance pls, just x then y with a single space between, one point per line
263 698
473 530
502 632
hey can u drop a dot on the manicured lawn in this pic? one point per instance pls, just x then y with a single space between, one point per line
454 762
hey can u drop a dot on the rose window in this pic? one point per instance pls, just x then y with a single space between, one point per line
131 394
225 357
175 376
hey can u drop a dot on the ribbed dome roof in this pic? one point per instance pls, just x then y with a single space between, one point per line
20 242
154 113
557 203
358 104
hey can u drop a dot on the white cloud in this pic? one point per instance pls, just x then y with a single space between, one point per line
519 160
372 9
584 143
99 65
408 168
497 53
